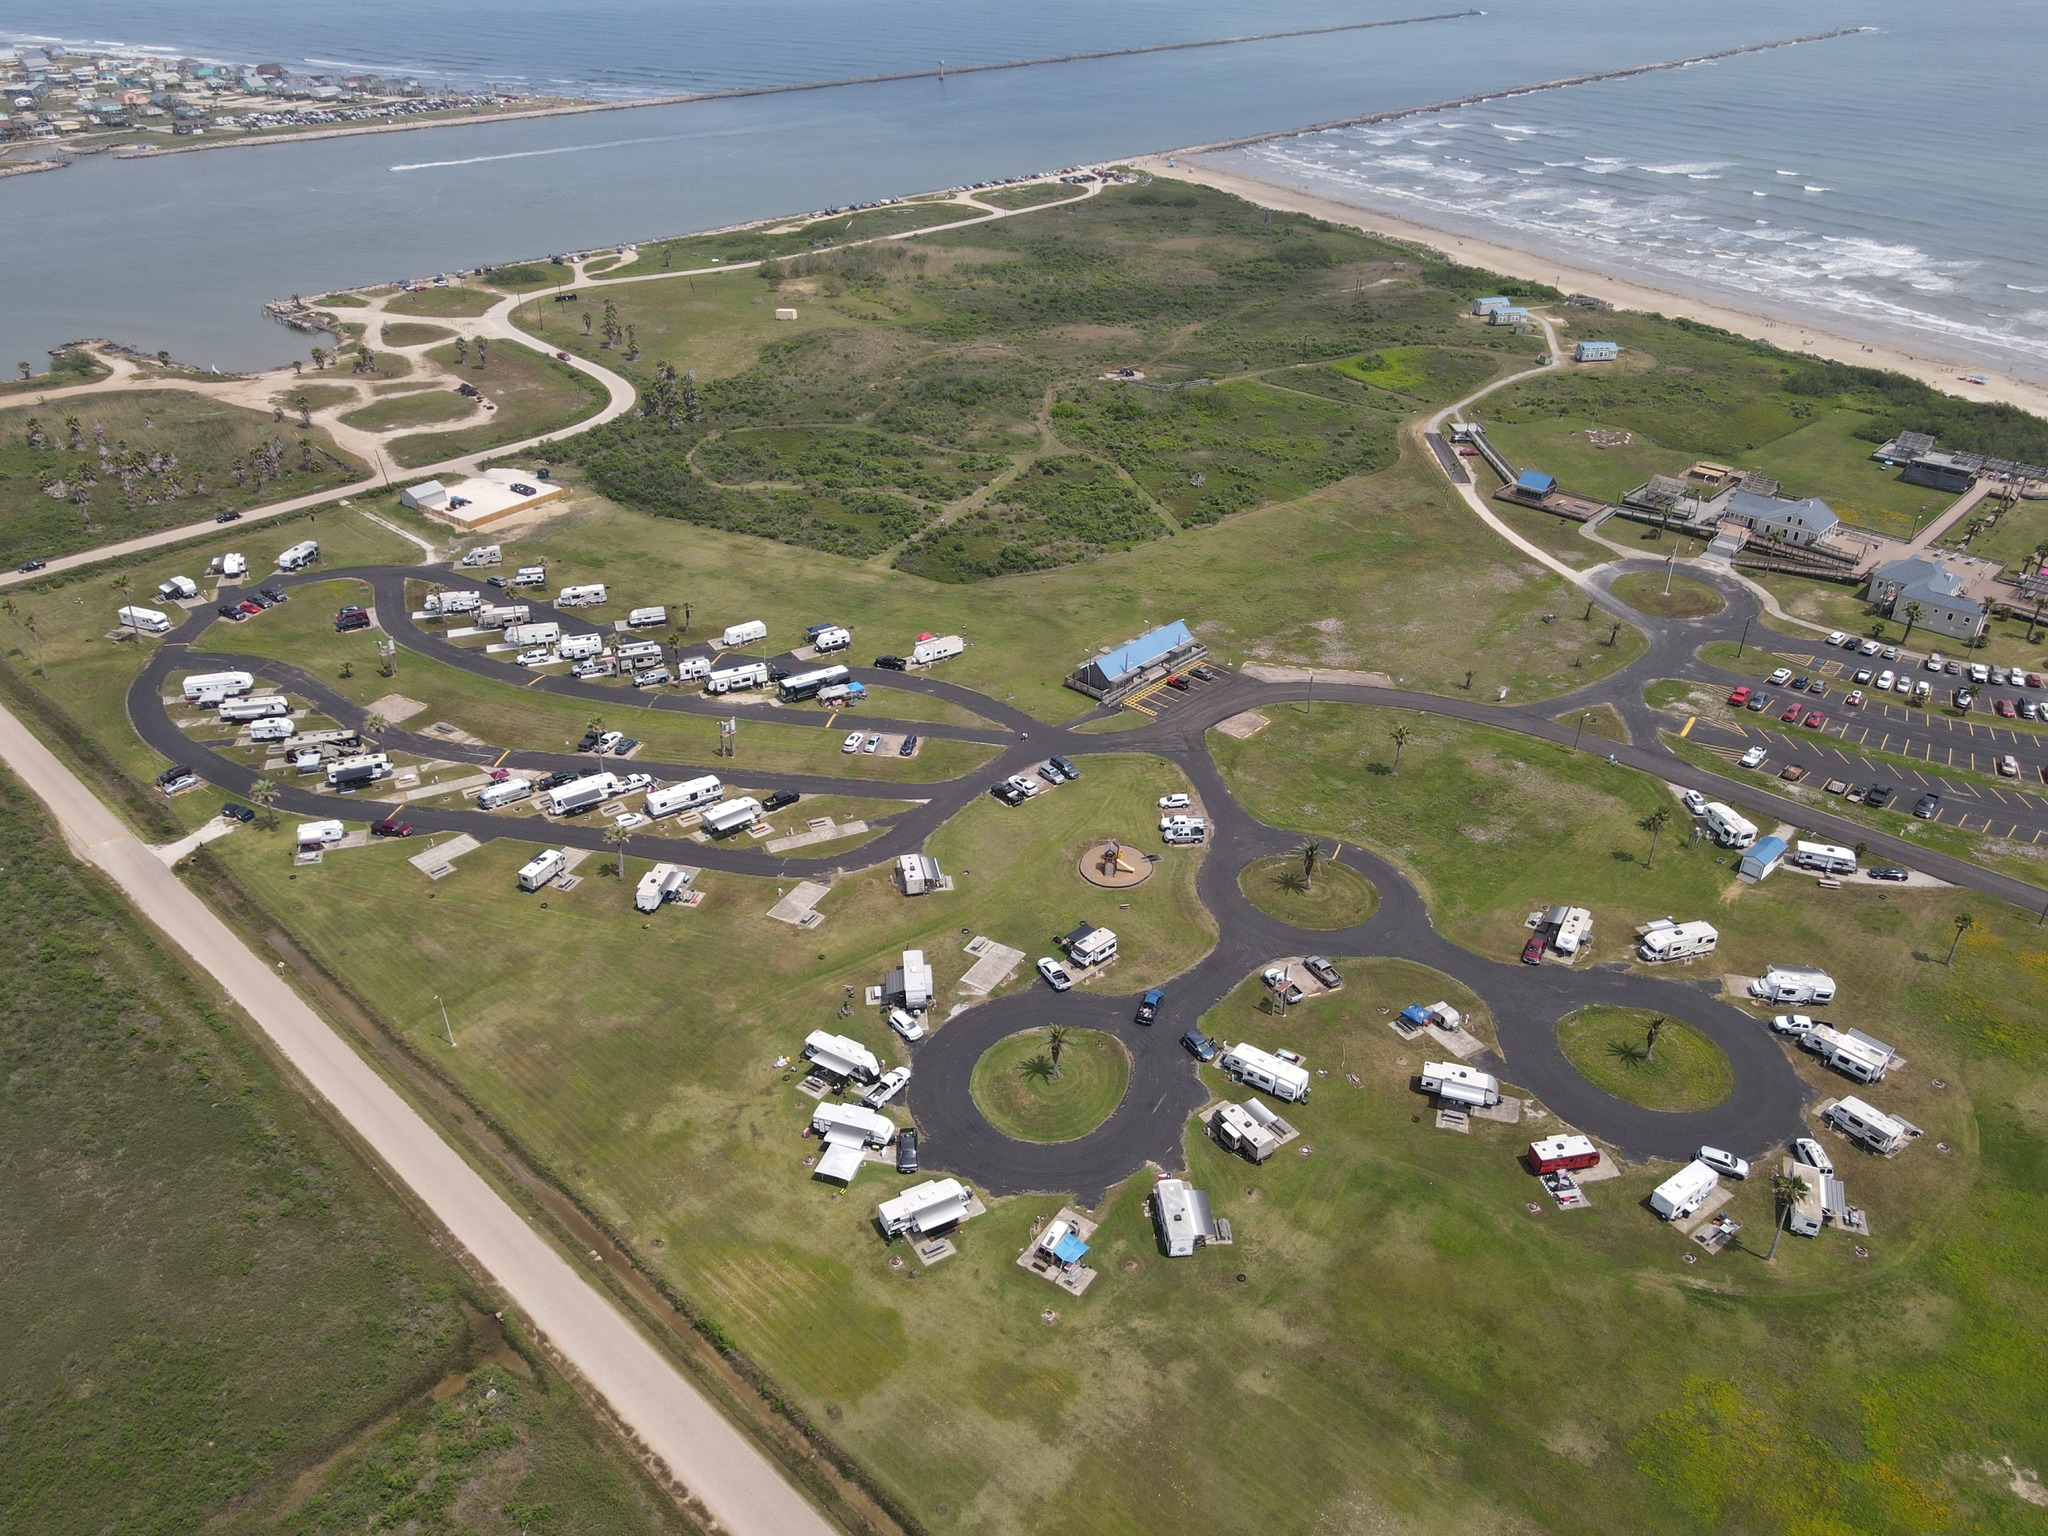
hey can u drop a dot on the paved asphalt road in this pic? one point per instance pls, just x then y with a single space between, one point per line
650 1396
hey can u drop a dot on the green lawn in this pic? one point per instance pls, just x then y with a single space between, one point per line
1682 1071
533 393
789 241
1645 591
448 302
1036 195
411 333
1016 1087
415 408
1337 898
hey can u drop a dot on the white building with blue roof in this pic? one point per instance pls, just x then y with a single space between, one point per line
1121 670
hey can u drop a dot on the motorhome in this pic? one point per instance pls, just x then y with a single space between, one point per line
260 707
1851 1053
663 883
579 647
276 729
502 793
1685 1191
647 618
1827 858
483 554
501 615
1089 945
1868 1126
831 638
807 684
1283 1079
1728 827
1666 940
145 621
744 633
542 869
1793 984
753 674
587 596
732 816
233 567
531 576
443 604
940 648
546 632
1455 1083
355 772
686 796
299 556
581 794
179 589
1236 1131
215 686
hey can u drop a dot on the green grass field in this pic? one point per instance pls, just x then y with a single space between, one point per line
412 333
1645 592
1336 898
1683 1070
414 408
533 393
1018 1089
446 302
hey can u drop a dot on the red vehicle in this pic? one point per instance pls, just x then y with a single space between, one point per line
1816 720
1177 683
1532 952
563 356
391 826
1739 697
2005 709
1791 715
1562 1154
250 606
2033 679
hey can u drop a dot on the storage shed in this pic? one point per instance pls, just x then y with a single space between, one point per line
1596 351
1763 856
1533 482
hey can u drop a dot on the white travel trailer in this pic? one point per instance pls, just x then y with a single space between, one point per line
1283 1079
686 796
261 707
692 669
941 648
925 1208
531 576
276 729
587 596
318 834
732 816
233 567
830 639
579 647
299 556
641 653
647 618
1685 1191
581 794
442 604
1728 827
1182 1214
744 633
215 686
1827 858
1236 1130
1455 1083
753 674
663 883
1793 984
179 589
842 1057
1851 1053
502 615
1666 940
504 792
145 621
544 868
546 632
1868 1126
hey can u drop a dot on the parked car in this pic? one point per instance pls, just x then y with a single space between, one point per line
906 1150
240 813
1724 1162
1753 758
1780 678
1178 683
906 1023
1817 691
890 663
1810 1152
626 821
1533 951
391 826
1148 1006
1815 720
2009 766
1066 766
1871 647
590 740
1890 653
1174 802
31 565
1204 673
1199 1045
1865 675
1890 872
779 799
539 656
1282 986
1323 971
1007 792
886 1088
1694 802
1792 713
1878 796
853 740
233 612
1055 974
1801 684
1050 774
1926 806
2029 710
1855 699
1836 637
1758 702
1739 697
2005 709
908 748
873 743
260 599
228 516
1791 1023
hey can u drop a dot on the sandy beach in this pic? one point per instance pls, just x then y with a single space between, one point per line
1943 373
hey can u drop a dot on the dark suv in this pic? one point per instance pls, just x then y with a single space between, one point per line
1878 796
906 1150
779 799
890 663
1199 1045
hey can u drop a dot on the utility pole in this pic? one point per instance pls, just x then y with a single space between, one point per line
1745 637
444 1021
1581 727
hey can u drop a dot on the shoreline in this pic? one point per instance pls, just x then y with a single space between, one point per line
1792 336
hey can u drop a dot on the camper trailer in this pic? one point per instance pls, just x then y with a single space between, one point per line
531 576
1851 1053
278 728
1283 1079
1825 858
753 674
299 556
355 772
831 638
732 816
1868 1126
1089 945
1793 984
686 796
943 647
647 618
1685 1191
483 554
663 883
501 616
504 792
1236 1130
692 669
546 632
1182 1215
212 687
641 653
918 873
1562 1153
1666 940
179 589
444 604
579 647
260 707
744 633
145 621
233 567
587 596
843 695
1727 827
318 834
544 868
925 1208
581 794
1455 1083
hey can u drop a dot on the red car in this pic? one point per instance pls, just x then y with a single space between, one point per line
2005 709
250 606
2033 679
1739 697
1177 683
1816 720
1532 952
391 826
1791 715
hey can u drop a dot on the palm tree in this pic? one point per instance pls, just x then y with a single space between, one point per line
1056 1037
372 724
595 723
1964 923
618 836
1654 824
1400 735
1039 1069
265 792
1914 614
1650 1038
1786 1192
1311 852
28 370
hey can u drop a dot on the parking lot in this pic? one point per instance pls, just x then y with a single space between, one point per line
1155 699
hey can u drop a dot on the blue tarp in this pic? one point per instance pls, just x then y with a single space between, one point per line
1136 655
1415 1014
1069 1249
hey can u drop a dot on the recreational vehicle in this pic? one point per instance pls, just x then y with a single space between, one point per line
579 647
925 652
692 669
531 576
1729 828
1868 1126
1455 1083
641 653
499 616
806 685
216 686
318 834
1283 1079
1851 1053
753 674
581 794
1666 940
145 621
233 567
483 554
299 556
730 817
542 869
663 883
1827 858
262 707
925 1208
1793 984
686 796
504 792
443 604
179 589
1562 1153
1236 1131
276 729
588 596
744 633
647 618
831 638
355 772
546 632
1685 1191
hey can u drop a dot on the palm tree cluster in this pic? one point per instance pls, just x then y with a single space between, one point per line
671 399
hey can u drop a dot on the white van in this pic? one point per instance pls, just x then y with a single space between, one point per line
260 708
299 556
277 728
543 868
745 633
233 567
753 675
686 796
579 647
145 621
504 792
925 652
1828 858
1667 940
582 597
647 618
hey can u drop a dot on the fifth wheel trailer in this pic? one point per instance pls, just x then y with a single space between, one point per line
582 597
542 869
1283 1079
217 685
261 708
1667 940
686 796
581 794
646 618
732 816
726 679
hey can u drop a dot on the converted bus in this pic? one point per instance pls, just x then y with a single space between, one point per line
806 685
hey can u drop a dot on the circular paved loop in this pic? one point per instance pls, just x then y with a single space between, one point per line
1525 1002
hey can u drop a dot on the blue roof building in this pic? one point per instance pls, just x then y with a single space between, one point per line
1596 351
1761 857
1129 666
1533 482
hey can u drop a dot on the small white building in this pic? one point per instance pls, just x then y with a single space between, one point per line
1181 1213
427 496
1596 351
925 1208
840 1057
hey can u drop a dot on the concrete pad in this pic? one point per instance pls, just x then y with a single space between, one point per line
796 906
440 859
1507 1112
1244 726
572 858
992 969
446 787
219 827
396 707
1699 1218
826 834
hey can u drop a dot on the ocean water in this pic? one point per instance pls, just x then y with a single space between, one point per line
1899 210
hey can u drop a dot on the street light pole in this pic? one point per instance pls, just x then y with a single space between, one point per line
444 1022
1581 727
1745 637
